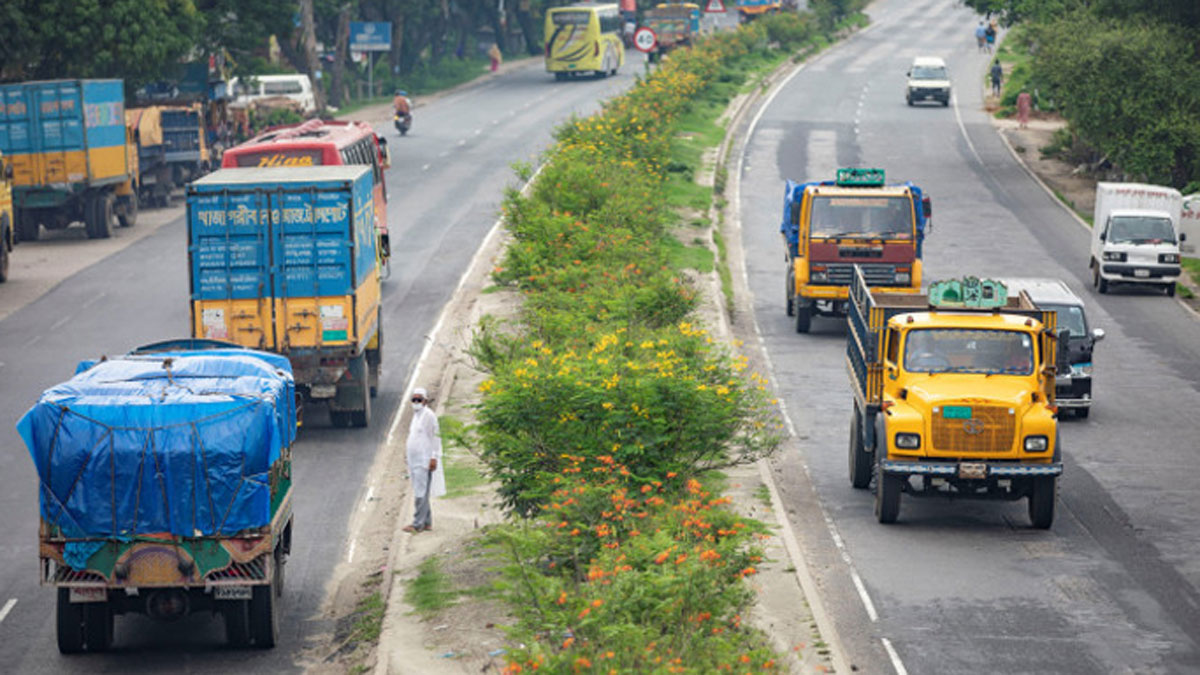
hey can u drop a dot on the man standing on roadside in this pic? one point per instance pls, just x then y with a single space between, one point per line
980 35
424 449
997 76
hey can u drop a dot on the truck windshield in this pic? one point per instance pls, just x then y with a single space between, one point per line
929 73
862 217
1071 318
1140 230
952 350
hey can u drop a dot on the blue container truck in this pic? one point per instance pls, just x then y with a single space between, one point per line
285 259
72 156
165 488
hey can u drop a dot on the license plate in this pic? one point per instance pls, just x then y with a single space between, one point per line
972 470
1141 273
89 595
956 412
232 592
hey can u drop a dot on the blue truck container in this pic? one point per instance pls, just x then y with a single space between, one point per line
285 259
71 154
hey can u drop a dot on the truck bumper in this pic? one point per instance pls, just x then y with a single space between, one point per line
1138 273
957 469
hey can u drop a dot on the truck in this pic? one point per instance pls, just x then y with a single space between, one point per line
165 489
7 236
286 260
171 148
73 158
1136 236
857 219
674 24
748 10
953 395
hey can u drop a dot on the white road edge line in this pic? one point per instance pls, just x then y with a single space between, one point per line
789 536
7 608
963 128
350 550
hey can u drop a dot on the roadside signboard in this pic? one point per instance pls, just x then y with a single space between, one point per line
370 36
645 39
715 7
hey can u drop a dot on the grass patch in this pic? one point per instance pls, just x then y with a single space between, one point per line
1184 292
354 106
723 269
1014 53
682 256
462 479
370 618
431 591
1192 266
763 495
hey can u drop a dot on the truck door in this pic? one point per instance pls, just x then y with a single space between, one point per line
58 137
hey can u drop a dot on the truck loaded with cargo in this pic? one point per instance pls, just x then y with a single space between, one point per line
954 395
73 158
165 488
286 260
1136 236
171 147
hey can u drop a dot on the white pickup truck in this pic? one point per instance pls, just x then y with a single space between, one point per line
1135 236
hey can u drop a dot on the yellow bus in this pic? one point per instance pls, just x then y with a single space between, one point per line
584 38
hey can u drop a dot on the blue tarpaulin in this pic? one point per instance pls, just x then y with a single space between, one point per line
177 442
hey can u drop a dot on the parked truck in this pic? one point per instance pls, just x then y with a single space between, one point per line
674 24
171 147
285 260
1136 236
830 226
7 234
954 395
73 158
165 488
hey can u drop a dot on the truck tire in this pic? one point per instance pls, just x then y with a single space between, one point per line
887 496
69 624
237 622
1043 492
264 616
860 459
1170 289
4 252
128 214
97 626
803 315
1082 413
362 418
787 293
1098 281
98 215
28 226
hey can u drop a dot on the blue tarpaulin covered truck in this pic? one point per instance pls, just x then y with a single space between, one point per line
285 259
165 489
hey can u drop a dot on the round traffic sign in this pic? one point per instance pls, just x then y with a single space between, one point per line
645 39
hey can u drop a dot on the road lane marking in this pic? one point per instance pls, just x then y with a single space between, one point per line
963 128
895 658
7 608
462 142
425 168
61 322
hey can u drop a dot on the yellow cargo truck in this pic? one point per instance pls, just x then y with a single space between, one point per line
954 395
171 148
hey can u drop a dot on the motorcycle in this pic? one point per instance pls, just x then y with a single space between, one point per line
402 122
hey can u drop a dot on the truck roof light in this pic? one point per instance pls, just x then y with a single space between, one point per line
1029 322
859 178
968 292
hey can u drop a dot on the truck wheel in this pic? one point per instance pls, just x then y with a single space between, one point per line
4 252
264 616
362 418
129 211
787 294
339 418
860 459
28 226
1098 281
69 622
1082 413
1042 494
97 626
887 496
98 214
803 315
237 622
1170 289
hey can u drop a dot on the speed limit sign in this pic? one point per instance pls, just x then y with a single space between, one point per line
645 39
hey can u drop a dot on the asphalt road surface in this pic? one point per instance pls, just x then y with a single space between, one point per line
966 586
444 189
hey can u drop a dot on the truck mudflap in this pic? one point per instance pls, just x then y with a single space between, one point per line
979 470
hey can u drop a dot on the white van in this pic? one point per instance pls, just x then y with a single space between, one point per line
1135 236
295 86
928 80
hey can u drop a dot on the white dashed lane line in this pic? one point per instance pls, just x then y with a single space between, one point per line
7 608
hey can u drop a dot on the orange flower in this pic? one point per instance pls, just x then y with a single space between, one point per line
680 560
582 663
744 658
585 612
562 598
597 602
568 642
662 557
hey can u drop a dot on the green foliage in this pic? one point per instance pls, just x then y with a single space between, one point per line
431 590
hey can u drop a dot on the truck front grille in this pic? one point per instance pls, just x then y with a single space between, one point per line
990 429
876 274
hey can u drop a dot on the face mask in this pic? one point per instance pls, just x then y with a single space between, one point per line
418 406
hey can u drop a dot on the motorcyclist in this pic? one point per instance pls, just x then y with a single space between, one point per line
402 105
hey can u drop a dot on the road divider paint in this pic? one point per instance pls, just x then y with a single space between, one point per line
12 602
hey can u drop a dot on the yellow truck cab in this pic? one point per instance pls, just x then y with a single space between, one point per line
829 227
954 395
7 239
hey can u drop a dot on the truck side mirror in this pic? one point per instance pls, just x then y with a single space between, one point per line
1103 236
1097 334
927 207
1183 236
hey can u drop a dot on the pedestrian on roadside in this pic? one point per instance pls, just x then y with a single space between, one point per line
989 35
1024 105
424 452
997 76
494 55
980 36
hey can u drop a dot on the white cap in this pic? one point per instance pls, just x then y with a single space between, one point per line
420 391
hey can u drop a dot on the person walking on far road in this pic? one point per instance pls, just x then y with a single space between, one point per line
980 36
1024 105
989 35
494 55
424 450
997 76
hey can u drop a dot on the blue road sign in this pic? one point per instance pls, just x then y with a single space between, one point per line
370 36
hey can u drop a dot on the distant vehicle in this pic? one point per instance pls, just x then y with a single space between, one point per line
693 11
928 80
295 86
322 143
72 156
1135 236
584 38
748 10
1073 388
172 149
674 24
184 507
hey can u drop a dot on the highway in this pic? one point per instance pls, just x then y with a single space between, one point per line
969 587
444 187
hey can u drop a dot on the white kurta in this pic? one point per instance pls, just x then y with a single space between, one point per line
425 443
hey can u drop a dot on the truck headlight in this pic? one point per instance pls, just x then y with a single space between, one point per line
818 276
1114 256
1168 258
1036 443
908 441
903 277
1080 369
